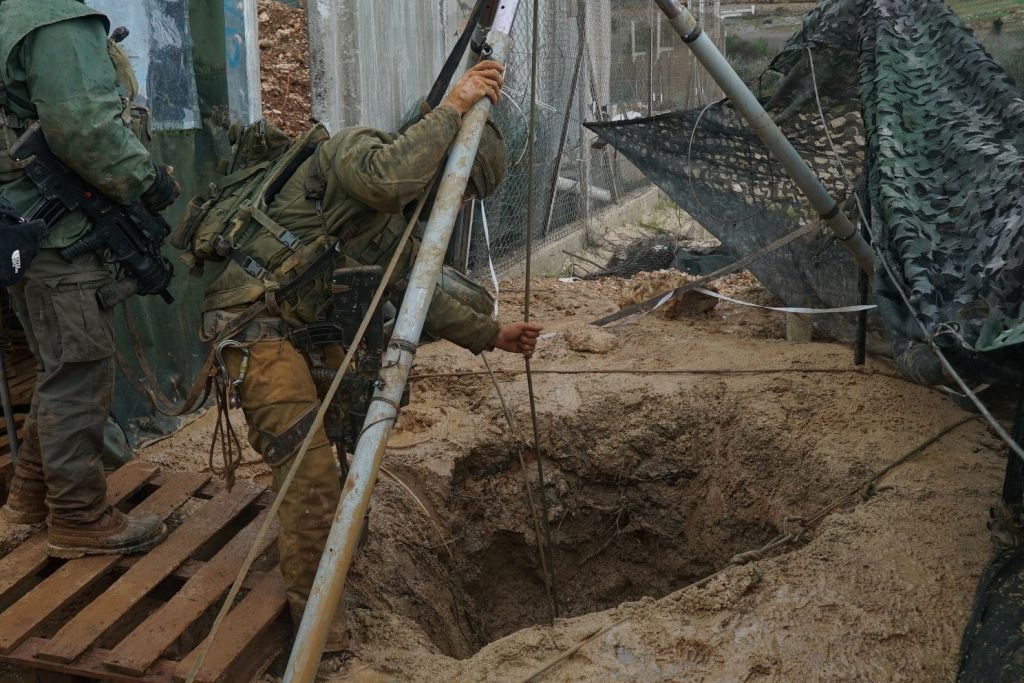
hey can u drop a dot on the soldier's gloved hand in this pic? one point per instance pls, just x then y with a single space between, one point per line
518 338
164 190
483 80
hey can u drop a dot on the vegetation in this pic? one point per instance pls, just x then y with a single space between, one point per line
999 24
749 57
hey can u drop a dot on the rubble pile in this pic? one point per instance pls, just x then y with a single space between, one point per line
284 66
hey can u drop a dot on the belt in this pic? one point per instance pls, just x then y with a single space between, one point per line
260 329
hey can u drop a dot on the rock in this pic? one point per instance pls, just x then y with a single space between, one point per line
690 303
590 339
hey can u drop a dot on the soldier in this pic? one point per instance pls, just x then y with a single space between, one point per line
57 67
356 185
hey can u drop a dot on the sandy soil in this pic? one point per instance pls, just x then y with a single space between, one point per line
654 481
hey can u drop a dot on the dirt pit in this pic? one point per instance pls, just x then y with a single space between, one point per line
662 463
656 481
628 497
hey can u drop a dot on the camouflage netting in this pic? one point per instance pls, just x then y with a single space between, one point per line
944 184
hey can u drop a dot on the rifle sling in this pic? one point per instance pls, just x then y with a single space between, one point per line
444 78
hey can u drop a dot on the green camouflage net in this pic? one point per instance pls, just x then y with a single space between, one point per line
943 191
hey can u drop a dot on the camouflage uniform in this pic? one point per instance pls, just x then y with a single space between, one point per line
371 178
56 67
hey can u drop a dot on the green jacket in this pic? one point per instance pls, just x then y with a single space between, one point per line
371 177
56 68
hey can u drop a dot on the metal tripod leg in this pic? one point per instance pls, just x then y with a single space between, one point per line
5 398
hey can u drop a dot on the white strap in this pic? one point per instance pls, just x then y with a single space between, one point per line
781 309
490 262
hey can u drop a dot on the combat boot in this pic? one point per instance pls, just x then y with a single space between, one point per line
114 533
26 502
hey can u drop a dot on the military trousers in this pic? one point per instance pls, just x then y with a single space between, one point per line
72 340
279 400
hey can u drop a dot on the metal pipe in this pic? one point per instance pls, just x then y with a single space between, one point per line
581 21
719 68
339 550
5 398
570 185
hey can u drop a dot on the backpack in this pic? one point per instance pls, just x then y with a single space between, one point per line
231 223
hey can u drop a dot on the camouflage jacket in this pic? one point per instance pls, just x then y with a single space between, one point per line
55 66
371 177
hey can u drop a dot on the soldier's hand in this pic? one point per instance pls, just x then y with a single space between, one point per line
164 190
483 80
518 338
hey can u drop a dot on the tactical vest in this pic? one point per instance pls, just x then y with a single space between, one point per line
231 224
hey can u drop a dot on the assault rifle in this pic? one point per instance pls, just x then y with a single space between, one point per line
130 235
352 292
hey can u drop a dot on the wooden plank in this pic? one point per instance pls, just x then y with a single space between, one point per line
29 557
5 466
251 619
183 572
98 617
22 618
89 666
148 641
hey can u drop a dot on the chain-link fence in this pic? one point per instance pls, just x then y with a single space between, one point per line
598 60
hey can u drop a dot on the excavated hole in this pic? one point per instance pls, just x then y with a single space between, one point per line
645 497
617 538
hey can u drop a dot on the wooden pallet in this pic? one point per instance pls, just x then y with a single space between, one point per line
144 618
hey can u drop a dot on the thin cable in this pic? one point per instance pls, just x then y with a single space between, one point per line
530 218
947 366
672 371
317 423
541 554
689 175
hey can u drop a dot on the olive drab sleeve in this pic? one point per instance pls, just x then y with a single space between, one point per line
388 173
71 81
449 318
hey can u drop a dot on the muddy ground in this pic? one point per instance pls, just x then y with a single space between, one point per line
654 481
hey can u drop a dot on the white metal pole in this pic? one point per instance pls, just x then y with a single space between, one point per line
341 543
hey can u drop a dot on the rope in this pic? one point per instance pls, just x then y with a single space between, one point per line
670 371
748 557
317 423
549 576
947 366
225 435
689 176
